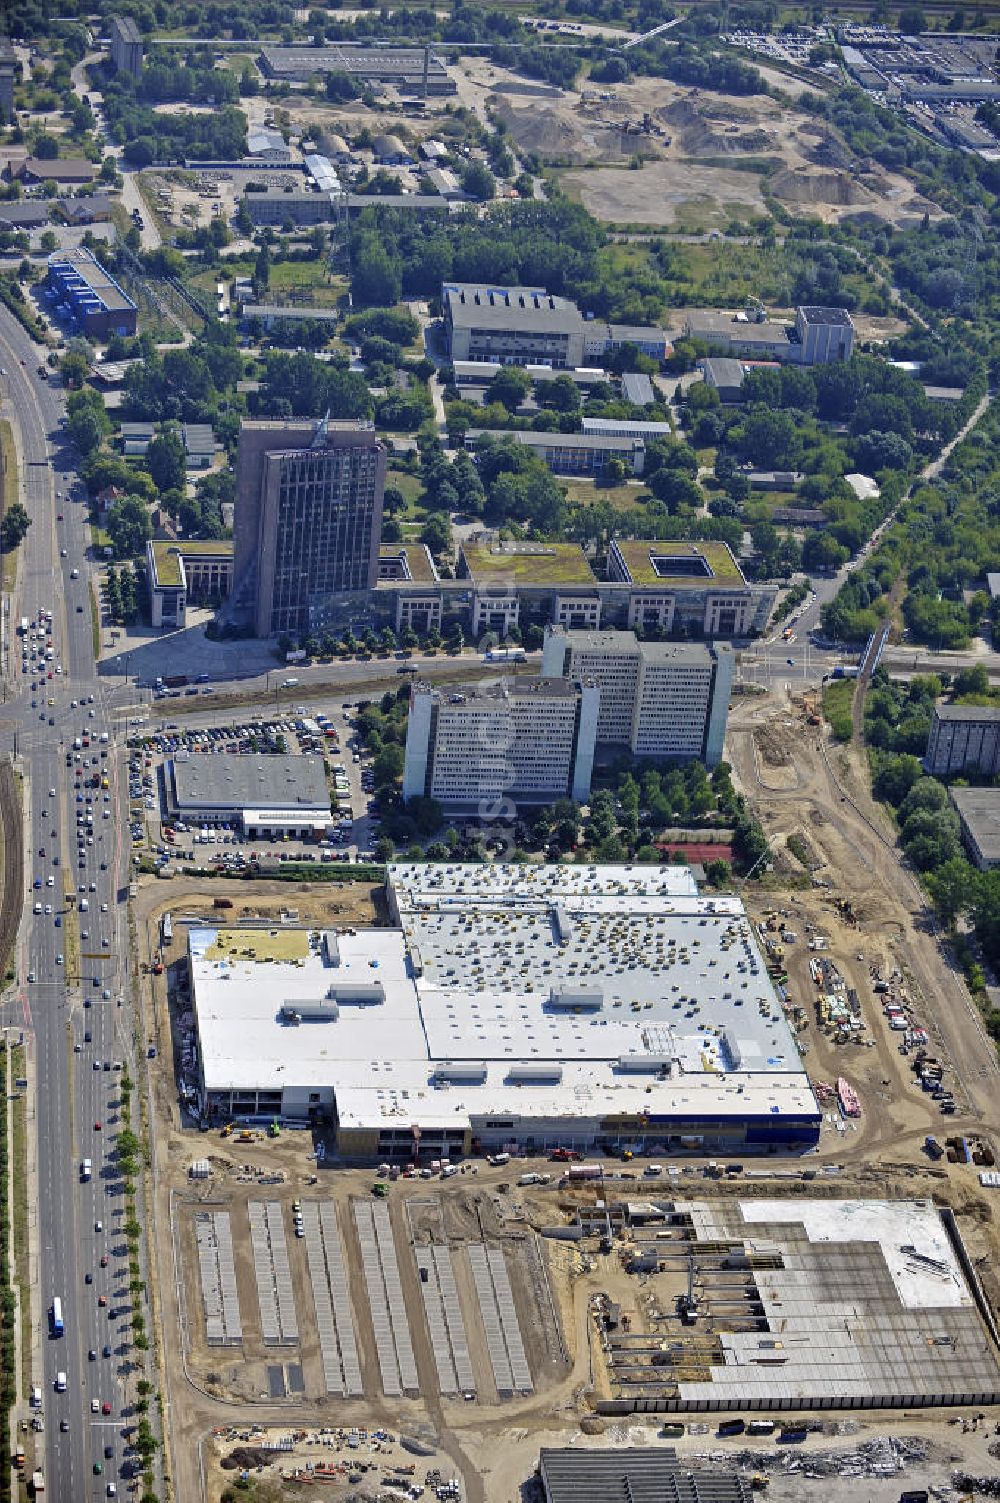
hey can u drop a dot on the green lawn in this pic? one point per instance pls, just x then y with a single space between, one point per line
410 487
588 493
10 495
307 277
838 698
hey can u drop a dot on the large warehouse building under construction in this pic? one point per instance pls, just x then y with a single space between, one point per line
517 1007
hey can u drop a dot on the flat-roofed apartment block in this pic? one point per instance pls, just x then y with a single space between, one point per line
610 659
529 740
186 573
963 738
307 522
418 608
660 699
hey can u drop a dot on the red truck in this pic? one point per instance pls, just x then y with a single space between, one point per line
564 1156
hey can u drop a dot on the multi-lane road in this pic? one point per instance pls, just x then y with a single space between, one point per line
72 966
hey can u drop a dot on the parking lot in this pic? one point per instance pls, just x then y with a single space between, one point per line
330 736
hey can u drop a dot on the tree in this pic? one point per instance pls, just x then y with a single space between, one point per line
821 552
509 386
971 681
768 438
165 460
436 533
882 451
73 368
478 181
128 526
953 888
14 527
376 278
46 147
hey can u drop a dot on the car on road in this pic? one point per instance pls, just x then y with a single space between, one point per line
104 1260
105 1407
98 1226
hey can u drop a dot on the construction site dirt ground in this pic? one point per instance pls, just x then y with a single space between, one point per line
799 783
705 157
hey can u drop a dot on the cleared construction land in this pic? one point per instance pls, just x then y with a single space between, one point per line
704 157
439 1290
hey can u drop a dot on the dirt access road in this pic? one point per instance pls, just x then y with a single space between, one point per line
799 780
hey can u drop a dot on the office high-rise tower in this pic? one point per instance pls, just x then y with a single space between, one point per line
308 520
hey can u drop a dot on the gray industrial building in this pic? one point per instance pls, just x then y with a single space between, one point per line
979 812
726 376
10 72
261 795
307 522
529 326
409 70
963 738
126 45
633 1474
818 336
571 453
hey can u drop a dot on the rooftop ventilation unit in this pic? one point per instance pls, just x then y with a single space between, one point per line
576 999
531 1074
459 1072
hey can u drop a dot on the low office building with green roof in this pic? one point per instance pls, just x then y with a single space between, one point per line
186 573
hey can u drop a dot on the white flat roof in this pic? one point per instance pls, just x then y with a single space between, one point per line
563 991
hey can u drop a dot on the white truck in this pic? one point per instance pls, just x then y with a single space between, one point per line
86 1169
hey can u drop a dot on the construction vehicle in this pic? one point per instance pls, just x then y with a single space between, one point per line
246 1136
274 1131
228 1130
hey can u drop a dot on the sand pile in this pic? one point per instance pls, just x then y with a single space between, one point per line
702 141
554 137
800 186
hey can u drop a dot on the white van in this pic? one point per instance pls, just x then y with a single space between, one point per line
60 1382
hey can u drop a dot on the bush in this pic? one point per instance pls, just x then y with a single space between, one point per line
838 698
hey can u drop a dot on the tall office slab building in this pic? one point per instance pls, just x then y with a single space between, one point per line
308 521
